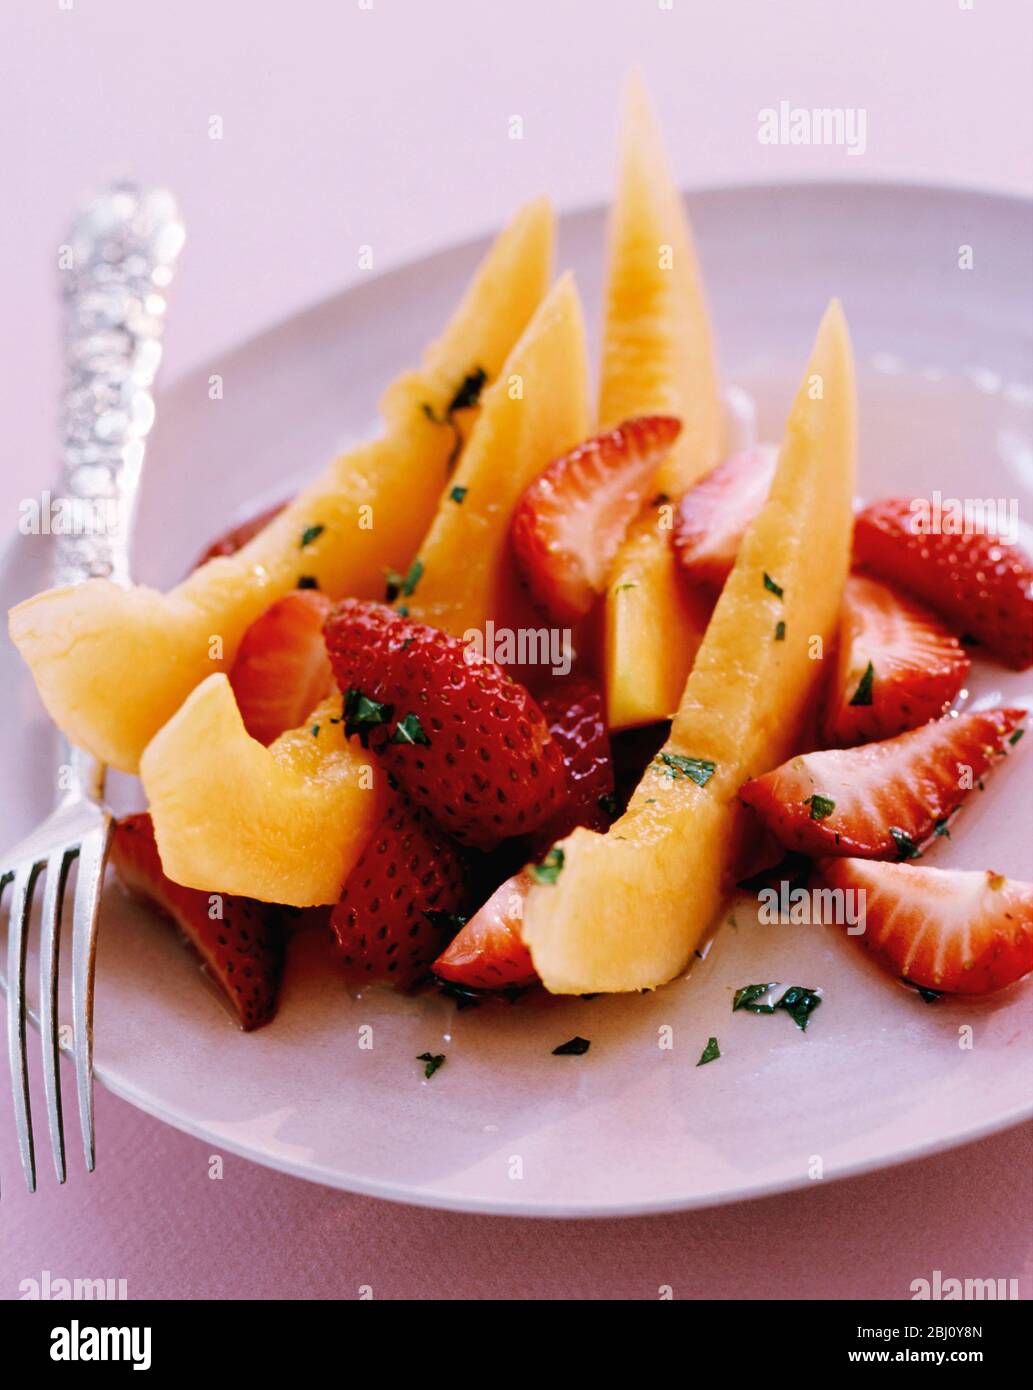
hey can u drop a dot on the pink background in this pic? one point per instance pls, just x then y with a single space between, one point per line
387 126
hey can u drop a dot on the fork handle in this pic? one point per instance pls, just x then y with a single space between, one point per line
116 269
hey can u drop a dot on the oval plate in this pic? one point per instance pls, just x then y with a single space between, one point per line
632 1126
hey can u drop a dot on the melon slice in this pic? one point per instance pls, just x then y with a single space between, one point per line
657 358
537 410
628 907
284 824
112 665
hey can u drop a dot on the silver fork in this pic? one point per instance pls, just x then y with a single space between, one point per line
116 269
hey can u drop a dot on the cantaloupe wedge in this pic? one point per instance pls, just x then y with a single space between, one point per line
628 907
537 410
284 824
112 665
657 357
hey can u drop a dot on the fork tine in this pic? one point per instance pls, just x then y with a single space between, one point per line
17 946
49 957
93 856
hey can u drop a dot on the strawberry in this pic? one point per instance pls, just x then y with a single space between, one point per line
462 739
956 931
242 948
397 908
574 710
897 666
714 515
488 952
979 583
569 524
238 536
881 800
281 670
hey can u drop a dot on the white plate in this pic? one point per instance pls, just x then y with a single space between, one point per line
945 402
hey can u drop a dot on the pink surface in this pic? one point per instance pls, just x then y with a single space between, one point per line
389 127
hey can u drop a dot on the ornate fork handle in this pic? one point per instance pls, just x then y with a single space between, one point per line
120 262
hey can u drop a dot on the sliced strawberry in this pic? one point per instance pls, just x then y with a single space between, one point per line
882 800
960 932
238 536
569 524
463 739
397 909
576 714
488 952
281 670
714 515
241 944
981 584
897 666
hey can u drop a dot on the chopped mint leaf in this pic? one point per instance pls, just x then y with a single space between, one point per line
315 730
821 806
675 765
307 581
942 828
659 500
410 730
780 632
906 847
402 610
433 1061
710 1053
631 584
310 534
458 493
469 391
798 1001
771 586
361 714
548 871
609 803
404 583
1016 736
746 998
863 694
575 1047
929 996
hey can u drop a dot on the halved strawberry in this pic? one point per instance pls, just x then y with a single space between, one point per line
281 670
398 905
238 536
569 524
981 584
462 738
239 940
576 714
714 515
881 800
488 952
897 666
957 931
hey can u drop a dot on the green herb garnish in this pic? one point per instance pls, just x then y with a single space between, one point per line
798 1001
458 493
446 921
820 806
404 583
780 632
307 581
433 1061
548 871
467 395
863 694
410 730
942 828
906 847
574 1047
710 1053
929 996
771 586
675 765
310 534
361 714
609 803
1016 736
315 730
